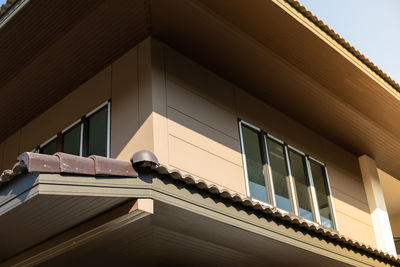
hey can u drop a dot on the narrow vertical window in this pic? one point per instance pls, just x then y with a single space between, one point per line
50 148
397 244
252 141
322 192
97 131
72 140
299 172
276 154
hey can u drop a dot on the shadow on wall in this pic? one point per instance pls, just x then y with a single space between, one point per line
190 120
391 189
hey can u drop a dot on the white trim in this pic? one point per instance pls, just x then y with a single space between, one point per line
71 126
246 178
282 210
269 175
108 129
262 202
296 150
250 125
330 197
275 139
291 181
292 189
81 141
96 109
313 193
317 161
48 141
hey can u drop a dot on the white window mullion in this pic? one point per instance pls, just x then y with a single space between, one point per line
108 129
246 177
292 190
81 141
269 174
332 207
313 193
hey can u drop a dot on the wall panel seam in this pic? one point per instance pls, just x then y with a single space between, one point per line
177 137
203 123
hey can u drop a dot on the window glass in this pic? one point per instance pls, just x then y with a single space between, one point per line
255 164
279 174
397 244
299 172
72 140
97 133
50 148
321 188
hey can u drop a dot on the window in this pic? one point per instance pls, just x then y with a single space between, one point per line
284 177
397 244
255 164
50 147
88 136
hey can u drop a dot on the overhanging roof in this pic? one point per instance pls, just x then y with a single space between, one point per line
44 179
274 49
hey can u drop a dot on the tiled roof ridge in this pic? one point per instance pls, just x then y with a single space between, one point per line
266 209
29 162
4 8
340 40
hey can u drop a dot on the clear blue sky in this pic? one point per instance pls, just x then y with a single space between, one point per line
371 26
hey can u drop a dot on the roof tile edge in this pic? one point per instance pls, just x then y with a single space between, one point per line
34 162
7 7
341 41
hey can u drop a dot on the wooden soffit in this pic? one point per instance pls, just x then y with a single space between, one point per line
269 48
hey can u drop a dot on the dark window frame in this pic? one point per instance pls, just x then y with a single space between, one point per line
291 182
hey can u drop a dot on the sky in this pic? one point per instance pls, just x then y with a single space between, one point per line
371 26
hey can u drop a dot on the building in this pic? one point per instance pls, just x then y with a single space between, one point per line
151 132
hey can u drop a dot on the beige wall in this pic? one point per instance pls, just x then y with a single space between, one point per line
188 116
203 139
395 223
391 188
119 83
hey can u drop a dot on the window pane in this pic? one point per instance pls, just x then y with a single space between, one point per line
279 175
321 188
97 133
397 244
50 148
254 163
72 140
299 173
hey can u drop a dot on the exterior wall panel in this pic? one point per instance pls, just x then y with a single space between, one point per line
395 223
124 105
188 116
11 149
119 83
203 119
70 109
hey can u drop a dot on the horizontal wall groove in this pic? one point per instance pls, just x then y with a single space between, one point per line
177 137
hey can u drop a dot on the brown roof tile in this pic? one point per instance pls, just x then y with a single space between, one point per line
66 163
271 211
100 166
320 24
